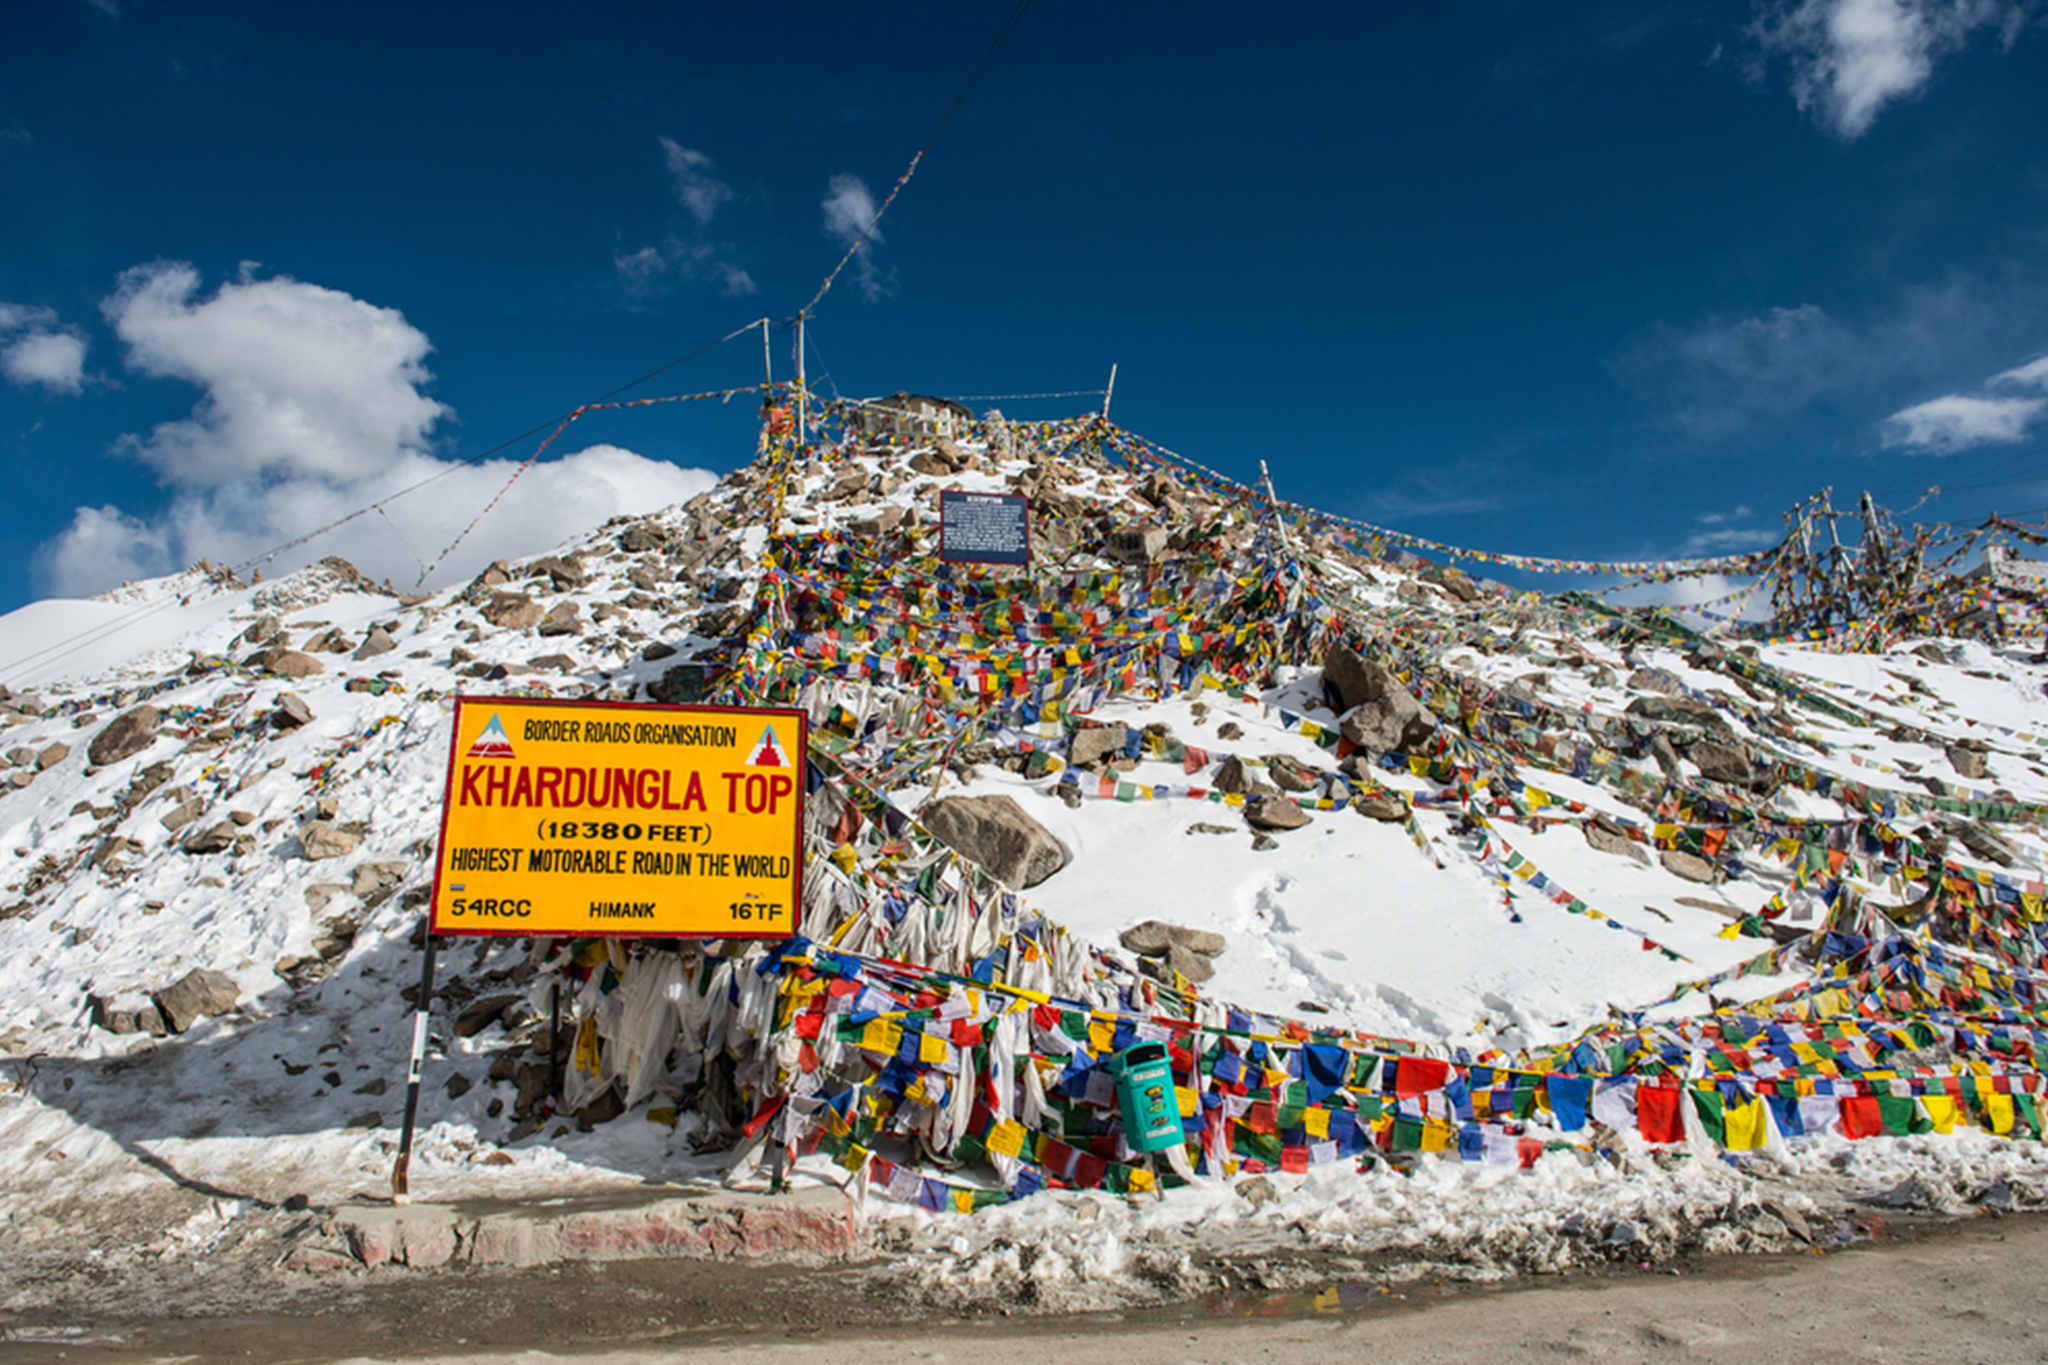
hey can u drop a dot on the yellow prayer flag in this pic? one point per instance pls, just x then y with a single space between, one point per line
1746 1129
1941 1111
1006 1138
881 1036
1317 1121
1998 1109
931 1049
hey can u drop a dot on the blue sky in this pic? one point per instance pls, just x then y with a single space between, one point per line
1593 281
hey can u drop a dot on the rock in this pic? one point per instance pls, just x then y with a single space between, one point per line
1720 762
561 573
376 1085
262 628
1258 1192
1287 777
1690 866
995 832
513 611
213 839
371 878
458 1086
1275 812
562 620
329 641
1204 827
369 1118
1967 760
1233 777
1152 938
1610 839
1101 742
657 650
1387 806
21 755
182 814
199 994
1682 710
289 663
1135 545
1666 756
128 733
1379 713
553 663
322 840
378 641
1452 581
888 519
481 1013
291 713
603 1109
1189 963
1654 680
1229 729
52 756
1929 651
642 537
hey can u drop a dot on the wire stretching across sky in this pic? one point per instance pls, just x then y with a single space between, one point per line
1009 26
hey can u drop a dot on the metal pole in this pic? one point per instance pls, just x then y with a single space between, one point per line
1273 500
767 363
555 1037
802 392
1109 392
400 1194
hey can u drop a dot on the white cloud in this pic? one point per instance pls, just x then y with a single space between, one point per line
1851 58
689 257
104 546
700 191
300 381
1956 421
312 410
1959 421
48 356
2033 375
1723 518
53 360
849 212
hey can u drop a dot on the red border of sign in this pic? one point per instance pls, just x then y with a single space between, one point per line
803 739
945 493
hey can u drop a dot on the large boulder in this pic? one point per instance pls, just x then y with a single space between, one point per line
1681 710
199 994
1274 813
1380 714
1719 762
128 733
1152 937
995 832
290 663
321 840
513 611
1097 744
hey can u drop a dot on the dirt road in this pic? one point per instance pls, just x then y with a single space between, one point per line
1952 1293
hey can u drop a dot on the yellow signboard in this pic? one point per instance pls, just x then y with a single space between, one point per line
608 819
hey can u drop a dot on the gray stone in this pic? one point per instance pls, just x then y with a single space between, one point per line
182 814
1720 762
1678 710
1654 680
1287 777
553 663
329 641
1152 938
378 641
562 573
213 839
371 878
1275 812
1380 714
261 629
1258 1192
513 611
657 650
642 537
1666 756
289 663
1094 745
564 619
481 1013
1135 545
458 1086
199 994
128 733
52 756
1690 866
322 840
1968 762
1390 807
995 832
606 1107
1189 963
1611 840
291 713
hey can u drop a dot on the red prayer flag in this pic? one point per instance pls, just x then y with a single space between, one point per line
1657 1113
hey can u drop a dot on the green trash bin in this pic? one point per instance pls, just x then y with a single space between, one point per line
1144 1090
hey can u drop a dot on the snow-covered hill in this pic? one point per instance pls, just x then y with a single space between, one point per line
1570 838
